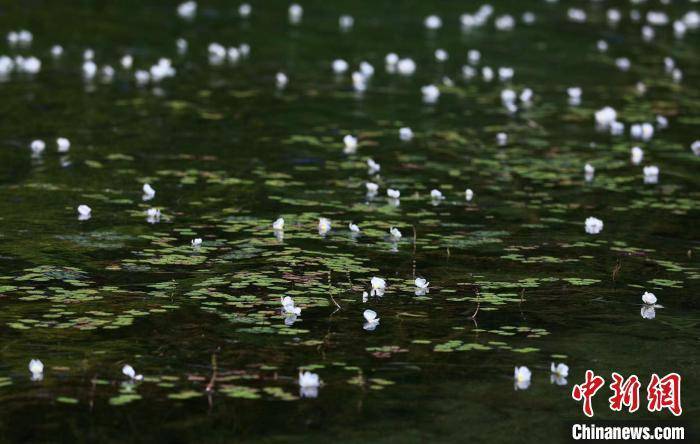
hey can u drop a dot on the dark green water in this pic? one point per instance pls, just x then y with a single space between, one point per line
228 154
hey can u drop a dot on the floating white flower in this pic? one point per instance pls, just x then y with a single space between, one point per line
366 69
371 187
649 298
589 172
187 10
244 10
574 94
406 67
501 139
526 95
474 56
354 228
340 66
295 13
468 194
281 80
436 196
324 226
359 81
651 174
604 117
373 166
431 93
559 373
278 224
636 155
153 215
642 131
197 242
142 77
37 146
309 384
395 233
487 73
371 318
350 142
36 368
378 286
391 59
406 134
148 192
181 45
623 63
576 15
63 144
129 372
365 296
392 193
441 55
593 225
504 22
432 22
695 147
84 212
661 122
289 307
57 51
522 376
421 283
505 73
346 22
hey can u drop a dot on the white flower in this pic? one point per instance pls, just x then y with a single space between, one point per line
371 318
406 67
245 9
422 283
469 194
278 224
560 369
281 80
504 22
432 22
148 192
623 63
350 142
295 13
373 166
505 73
593 225
366 69
197 242
346 22
501 139
308 379
436 195
649 298
63 144
574 93
559 373
57 51
589 169
142 77
354 228
187 10
378 286
642 131
406 134
473 55
395 233
365 296
430 93
695 147
339 66
359 81
391 59
371 187
605 116
392 193
289 307
84 212
324 226
153 215
441 55
37 146
36 367
522 376
308 384
636 155
526 95
651 174
129 371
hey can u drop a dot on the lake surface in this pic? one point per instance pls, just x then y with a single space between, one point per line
515 280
